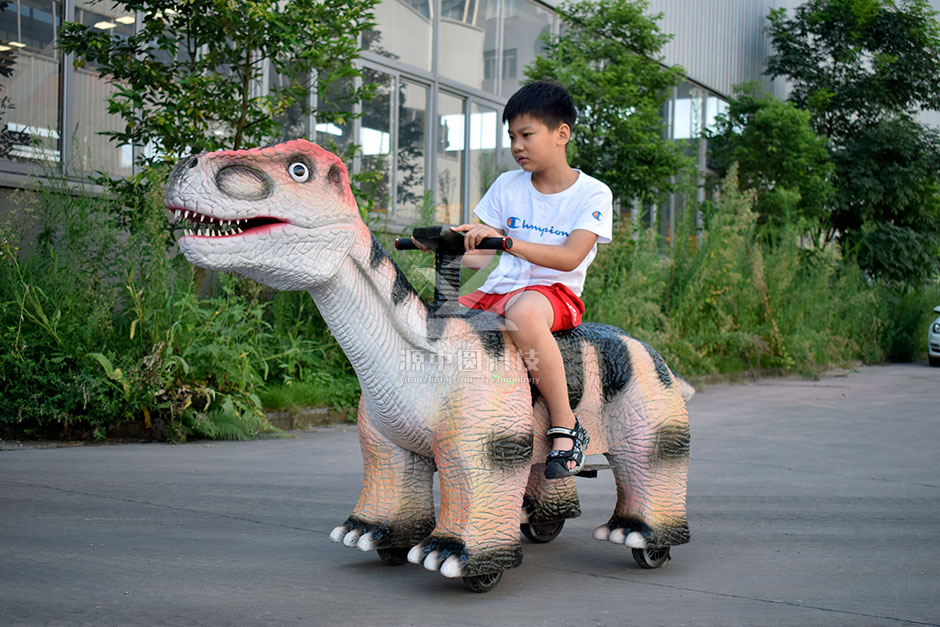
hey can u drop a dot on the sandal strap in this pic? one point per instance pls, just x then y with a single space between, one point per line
562 432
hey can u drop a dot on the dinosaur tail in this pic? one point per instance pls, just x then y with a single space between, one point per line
685 388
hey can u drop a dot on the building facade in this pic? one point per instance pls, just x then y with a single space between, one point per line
444 69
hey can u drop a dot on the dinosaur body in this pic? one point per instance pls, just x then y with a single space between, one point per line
440 392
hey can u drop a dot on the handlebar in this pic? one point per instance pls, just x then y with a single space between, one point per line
448 248
442 239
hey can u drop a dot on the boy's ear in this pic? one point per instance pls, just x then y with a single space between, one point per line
563 133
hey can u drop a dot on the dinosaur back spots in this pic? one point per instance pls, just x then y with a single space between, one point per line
509 451
377 254
614 358
486 325
662 370
401 288
671 442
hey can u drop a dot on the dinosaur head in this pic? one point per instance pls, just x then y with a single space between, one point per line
283 215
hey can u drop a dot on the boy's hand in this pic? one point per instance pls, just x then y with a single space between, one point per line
419 245
475 233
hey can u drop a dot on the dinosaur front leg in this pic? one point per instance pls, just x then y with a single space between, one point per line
483 458
396 505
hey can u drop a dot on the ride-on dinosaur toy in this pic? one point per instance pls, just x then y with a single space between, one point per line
443 387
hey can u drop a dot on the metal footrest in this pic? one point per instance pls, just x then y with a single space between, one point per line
590 470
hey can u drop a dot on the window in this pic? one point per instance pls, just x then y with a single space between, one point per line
525 23
375 137
412 150
29 71
450 158
468 41
484 127
403 32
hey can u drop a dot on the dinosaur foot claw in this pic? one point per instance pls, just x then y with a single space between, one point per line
366 536
633 534
448 557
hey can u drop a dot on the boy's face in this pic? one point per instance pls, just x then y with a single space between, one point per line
535 147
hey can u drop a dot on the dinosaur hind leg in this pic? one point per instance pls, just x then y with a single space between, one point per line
648 451
550 500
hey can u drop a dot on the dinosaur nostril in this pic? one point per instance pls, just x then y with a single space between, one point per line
193 161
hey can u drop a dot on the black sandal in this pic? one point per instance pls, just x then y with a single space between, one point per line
556 465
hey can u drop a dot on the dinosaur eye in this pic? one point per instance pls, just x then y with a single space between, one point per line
299 171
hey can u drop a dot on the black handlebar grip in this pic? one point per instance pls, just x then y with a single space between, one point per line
405 243
495 243
488 243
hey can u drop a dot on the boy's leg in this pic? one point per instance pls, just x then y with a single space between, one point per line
531 317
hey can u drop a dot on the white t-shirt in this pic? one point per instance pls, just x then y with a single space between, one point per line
514 205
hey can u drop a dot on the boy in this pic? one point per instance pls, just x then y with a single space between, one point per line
555 215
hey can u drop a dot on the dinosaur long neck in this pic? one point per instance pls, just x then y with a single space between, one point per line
374 314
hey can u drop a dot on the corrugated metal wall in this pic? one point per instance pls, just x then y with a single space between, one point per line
720 43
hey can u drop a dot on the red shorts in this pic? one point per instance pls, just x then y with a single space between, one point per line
567 307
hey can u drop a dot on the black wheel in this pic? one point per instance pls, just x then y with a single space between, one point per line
934 361
483 583
542 532
651 558
395 556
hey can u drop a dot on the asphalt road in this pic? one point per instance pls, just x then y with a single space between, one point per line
810 503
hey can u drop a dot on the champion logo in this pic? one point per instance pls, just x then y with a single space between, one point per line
597 215
520 223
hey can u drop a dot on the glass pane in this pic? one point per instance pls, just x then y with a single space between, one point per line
687 112
334 129
450 156
403 31
29 81
524 22
375 138
412 142
90 95
714 106
295 121
484 126
469 42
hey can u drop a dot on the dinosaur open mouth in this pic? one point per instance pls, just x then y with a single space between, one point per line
207 226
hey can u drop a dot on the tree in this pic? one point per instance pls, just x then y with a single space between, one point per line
779 156
609 58
887 203
863 69
188 79
854 63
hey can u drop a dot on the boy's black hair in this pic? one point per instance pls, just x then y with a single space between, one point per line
547 102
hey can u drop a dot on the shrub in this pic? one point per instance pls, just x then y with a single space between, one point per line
732 298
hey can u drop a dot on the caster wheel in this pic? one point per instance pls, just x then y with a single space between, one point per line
651 558
483 583
395 556
542 532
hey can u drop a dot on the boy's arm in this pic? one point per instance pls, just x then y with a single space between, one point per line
565 257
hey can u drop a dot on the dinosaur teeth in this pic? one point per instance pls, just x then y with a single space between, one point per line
186 215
